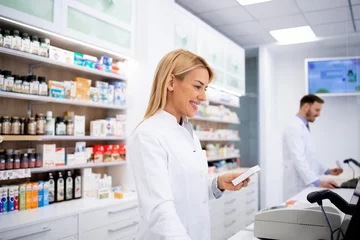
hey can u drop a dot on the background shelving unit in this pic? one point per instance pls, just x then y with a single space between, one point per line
46 99
25 105
15 138
79 166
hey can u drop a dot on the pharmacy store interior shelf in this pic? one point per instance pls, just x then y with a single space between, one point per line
36 60
212 159
214 120
47 99
224 103
87 165
58 138
219 139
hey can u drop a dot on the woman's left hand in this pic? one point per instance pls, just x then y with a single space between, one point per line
224 182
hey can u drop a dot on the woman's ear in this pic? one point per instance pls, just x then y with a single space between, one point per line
171 83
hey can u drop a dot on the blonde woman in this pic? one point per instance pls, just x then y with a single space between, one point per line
169 166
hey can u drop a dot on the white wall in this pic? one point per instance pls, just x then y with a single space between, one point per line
154 29
282 84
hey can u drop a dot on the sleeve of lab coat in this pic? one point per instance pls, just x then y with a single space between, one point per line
296 147
149 163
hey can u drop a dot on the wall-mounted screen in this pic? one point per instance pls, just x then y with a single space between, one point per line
337 76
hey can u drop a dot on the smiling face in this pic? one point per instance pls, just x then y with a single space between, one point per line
313 111
185 95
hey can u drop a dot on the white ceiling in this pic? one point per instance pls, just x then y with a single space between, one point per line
249 25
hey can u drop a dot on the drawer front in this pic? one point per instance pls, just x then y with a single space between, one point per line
216 206
106 216
251 202
230 228
70 238
230 214
120 230
55 229
217 220
217 234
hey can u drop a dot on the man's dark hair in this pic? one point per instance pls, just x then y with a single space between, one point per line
310 98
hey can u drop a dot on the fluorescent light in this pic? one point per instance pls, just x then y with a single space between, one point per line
294 35
249 2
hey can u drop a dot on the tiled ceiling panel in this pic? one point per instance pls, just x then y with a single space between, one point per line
333 29
246 28
275 8
226 16
253 39
315 5
250 25
356 10
284 22
328 16
200 6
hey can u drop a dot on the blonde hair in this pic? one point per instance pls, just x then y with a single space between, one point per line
178 62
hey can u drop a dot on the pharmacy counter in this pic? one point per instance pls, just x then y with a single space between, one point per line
87 218
248 234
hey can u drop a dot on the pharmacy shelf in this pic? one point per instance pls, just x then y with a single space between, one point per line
84 138
36 60
214 120
219 139
58 100
67 167
212 159
10 138
224 103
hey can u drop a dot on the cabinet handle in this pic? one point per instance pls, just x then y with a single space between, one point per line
122 228
227 213
43 230
231 201
123 210
228 225
251 192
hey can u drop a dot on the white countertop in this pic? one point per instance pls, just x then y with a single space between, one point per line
11 220
248 234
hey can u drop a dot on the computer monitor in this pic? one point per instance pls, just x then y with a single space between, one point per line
350 224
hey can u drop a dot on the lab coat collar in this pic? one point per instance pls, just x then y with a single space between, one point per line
302 119
172 119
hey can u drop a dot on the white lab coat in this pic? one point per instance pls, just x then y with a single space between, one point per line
301 165
170 171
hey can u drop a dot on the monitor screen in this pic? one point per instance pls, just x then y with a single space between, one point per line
333 76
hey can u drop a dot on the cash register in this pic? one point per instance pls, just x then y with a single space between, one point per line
309 222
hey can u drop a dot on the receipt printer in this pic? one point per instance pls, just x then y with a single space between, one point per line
296 222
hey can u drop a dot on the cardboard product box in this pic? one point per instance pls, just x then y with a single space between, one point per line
47 154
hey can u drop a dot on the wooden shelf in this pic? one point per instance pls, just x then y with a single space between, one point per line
37 98
14 138
214 120
32 59
67 167
222 158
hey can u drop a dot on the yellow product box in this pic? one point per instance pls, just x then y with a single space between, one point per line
83 88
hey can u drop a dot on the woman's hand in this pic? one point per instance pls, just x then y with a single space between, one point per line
224 182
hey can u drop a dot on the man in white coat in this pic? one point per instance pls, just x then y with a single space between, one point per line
302 168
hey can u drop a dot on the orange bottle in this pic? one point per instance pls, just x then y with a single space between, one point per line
35 195
28 196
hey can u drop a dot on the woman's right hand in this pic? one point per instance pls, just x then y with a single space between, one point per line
224 182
